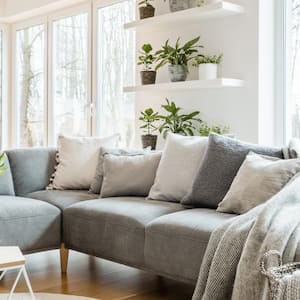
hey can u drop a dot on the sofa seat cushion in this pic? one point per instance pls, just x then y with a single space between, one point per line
30 224
62 199
175 244
113 228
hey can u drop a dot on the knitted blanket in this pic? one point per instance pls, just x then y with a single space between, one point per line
230 267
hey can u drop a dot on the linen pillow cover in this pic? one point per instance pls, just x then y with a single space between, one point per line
6 180
222 161
128 175
258 179
179 164
77 161
96 184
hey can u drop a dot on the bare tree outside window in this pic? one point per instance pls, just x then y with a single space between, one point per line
70 75
116 60
30 47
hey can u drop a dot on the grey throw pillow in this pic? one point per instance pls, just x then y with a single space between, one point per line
129 175
6 180
221 163
259 178
96 184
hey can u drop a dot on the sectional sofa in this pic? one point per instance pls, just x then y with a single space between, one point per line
157 236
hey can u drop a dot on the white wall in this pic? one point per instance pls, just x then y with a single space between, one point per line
2 8
238 38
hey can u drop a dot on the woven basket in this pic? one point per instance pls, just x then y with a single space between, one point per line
280 277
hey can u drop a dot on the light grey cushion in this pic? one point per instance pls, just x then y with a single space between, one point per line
176 243
222 161
62 199
6 180
31 168
258 179
98 178
113 228
30 224
129 175
182 156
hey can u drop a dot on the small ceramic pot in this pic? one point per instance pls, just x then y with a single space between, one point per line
208 71
148 77
149 140
177 72
146 11
176 5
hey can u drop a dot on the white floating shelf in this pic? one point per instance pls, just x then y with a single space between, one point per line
187 16
187 85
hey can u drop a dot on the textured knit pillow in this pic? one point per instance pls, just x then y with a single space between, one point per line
221 163
179 164
77 160
128 175
97 180
6 180
258 179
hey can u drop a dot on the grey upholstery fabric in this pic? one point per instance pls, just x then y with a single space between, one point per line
113 228
30 224
176 243
31 168
6 180
221 163
62 199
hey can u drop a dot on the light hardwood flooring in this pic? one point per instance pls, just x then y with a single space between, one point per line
97 278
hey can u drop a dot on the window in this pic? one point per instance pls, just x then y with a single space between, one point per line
30 45
70 76
116 57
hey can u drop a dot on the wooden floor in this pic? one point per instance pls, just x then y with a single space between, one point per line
97 278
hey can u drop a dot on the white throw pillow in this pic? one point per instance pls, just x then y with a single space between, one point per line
77 160
258 179
179 164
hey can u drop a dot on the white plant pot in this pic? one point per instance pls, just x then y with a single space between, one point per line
208 71
212 1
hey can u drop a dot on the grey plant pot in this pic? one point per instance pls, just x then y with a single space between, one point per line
148 77
177 73
176 5
147 11
149 140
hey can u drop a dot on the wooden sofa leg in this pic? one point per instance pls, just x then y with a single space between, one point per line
64 256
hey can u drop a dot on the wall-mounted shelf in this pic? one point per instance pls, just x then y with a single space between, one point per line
179 18
187 85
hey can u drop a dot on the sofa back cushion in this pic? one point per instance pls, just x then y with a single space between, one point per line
221 163
6 181
31 168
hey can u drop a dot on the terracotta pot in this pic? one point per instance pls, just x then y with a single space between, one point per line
149 140
148 77
146 11
177 73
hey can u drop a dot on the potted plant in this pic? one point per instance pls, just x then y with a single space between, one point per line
3 167
146 9
176 122
178 57
149 117
205 130
147 58
208 66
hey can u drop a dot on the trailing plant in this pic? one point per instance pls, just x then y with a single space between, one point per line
205 130
176 122
207 59
147 58
178 55
3 168
145 3
149 117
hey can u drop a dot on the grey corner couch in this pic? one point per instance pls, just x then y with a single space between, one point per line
157 236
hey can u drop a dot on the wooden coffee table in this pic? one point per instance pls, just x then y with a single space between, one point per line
11 258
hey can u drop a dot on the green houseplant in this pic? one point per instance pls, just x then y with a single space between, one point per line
147 59
3 168
176 122
146 9
178 57
208 66
205 130
149 117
